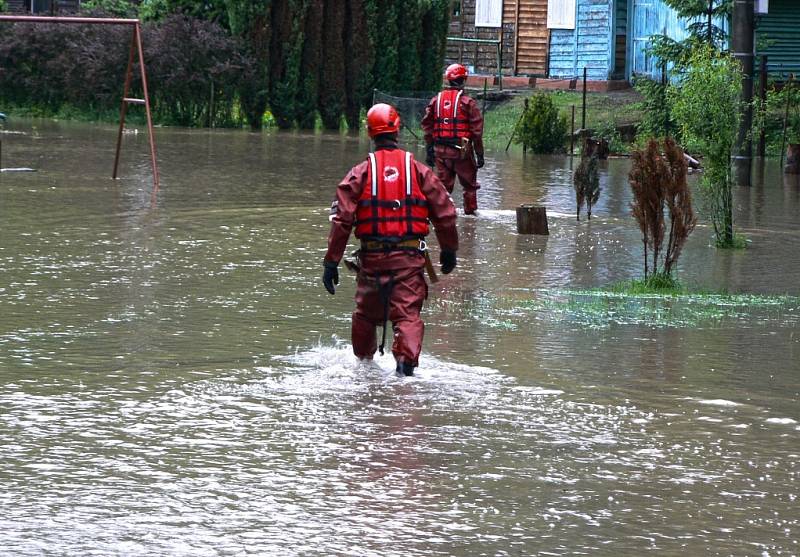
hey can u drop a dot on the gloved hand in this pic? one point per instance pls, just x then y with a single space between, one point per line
448 261
430 157
330 276
479 160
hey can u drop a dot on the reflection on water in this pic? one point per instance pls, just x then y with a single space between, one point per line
172 379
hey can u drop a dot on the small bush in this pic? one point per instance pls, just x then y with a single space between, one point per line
542 129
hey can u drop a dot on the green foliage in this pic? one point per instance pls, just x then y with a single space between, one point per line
3 6
706 105
286 48
156 10
333 88
659 283
777 102
435 25
118 8
655 106
542 129
310 62
699 16
251 21
358 66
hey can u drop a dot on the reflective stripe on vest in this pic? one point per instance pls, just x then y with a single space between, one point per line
393 207
451 121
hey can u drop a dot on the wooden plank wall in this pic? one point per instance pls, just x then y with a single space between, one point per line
569 54
532 35
481 57
525 54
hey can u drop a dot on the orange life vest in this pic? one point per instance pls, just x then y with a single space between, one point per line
452 120
392 206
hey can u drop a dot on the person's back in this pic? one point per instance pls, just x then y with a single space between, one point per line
453 127
388 200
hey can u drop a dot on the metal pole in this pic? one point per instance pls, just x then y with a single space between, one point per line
583 116
138 35
786 88
485 91
742 46
762 95
124 106
572 134
521 116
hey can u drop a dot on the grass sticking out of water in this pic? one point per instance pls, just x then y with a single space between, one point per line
659 283
662 308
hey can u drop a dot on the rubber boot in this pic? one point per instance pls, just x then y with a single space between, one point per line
470 202
405 368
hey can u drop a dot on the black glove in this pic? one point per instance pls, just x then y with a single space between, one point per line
330 276
479 160
430 157
448 261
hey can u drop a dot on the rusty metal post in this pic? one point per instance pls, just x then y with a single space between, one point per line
136 43
123 110
138 35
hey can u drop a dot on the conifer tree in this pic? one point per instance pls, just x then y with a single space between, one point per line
332 83
358 71
435 24
250 20
408 49
288 19
385 38
308 93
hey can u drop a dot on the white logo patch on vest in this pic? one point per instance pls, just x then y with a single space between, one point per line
446 105
391 174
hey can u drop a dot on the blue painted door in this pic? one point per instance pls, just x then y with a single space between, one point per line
647 18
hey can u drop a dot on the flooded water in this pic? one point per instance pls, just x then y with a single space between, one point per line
174 380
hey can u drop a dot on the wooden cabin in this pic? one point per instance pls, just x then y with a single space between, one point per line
541 38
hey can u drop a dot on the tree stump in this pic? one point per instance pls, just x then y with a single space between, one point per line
792 159
532 220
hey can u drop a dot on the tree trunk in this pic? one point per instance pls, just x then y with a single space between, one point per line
532 220
792 159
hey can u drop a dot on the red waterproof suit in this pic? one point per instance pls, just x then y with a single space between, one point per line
451 115
402 267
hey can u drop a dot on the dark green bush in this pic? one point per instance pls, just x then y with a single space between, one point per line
542 129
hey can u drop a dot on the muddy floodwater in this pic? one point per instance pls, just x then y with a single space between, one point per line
174 380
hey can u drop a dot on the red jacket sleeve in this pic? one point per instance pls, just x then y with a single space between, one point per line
428 121
343 211
475 125
441 210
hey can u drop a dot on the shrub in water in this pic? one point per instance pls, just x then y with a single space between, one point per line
659 183
542 129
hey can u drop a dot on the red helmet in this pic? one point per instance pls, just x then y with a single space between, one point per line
382 118
455 71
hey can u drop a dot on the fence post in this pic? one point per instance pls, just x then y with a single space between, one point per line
583 117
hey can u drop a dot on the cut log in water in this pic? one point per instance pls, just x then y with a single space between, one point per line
532 220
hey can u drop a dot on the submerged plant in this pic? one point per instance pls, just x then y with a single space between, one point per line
586 179
658 182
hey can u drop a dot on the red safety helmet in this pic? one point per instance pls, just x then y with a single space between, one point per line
455 71
382 118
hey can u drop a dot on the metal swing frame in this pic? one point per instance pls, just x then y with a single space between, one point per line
135 49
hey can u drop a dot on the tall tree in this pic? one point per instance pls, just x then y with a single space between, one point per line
384 35
308 93
358 71
435 25
702 17
409 27
332 87
288 22
250 20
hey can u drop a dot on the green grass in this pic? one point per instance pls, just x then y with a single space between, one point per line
659 283
615 108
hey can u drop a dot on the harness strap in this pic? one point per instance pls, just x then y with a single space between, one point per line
385 294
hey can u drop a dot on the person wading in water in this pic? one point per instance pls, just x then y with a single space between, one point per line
389 200
453 126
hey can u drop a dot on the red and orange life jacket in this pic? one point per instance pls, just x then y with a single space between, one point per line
452 120
392 206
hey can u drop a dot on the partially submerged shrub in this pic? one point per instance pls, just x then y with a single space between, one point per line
658 182
542 129
586 180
